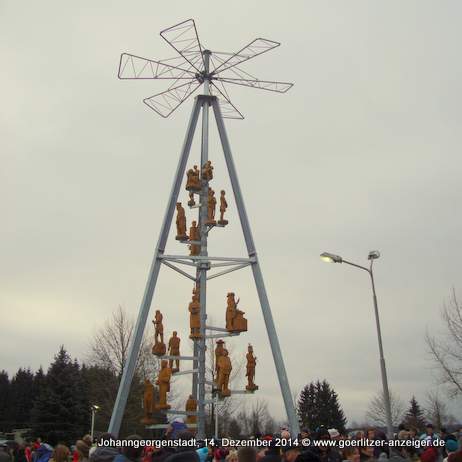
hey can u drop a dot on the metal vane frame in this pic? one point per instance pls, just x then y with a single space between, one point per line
195 66
191 71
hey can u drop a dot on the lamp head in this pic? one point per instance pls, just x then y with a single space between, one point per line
373 255
331 258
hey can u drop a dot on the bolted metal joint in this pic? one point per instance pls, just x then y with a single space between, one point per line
206 98
205 265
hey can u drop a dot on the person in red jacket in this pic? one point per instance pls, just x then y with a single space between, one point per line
28 452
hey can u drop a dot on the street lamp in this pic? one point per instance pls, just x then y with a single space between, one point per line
94 408
331 258
373 255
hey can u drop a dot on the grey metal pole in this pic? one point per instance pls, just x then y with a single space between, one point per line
265 306
195 362
92 422
216 417
203 265
129 369
383 369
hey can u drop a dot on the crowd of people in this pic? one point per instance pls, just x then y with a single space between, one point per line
326 445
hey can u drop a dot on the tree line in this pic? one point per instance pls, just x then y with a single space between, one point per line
59 399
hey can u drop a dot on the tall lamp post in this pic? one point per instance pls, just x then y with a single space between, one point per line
373 255
94 409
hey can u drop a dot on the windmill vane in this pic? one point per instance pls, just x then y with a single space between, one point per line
191 69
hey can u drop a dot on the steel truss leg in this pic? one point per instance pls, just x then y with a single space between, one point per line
129 370
202 270
267 315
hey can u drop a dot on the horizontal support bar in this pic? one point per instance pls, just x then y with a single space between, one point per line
173 411
206 258
225 334
182 358
163 426
192 371
233 392
242 392
218 329
219 265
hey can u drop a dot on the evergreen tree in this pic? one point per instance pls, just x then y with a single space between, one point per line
306 406
102 385
21 398
4 400
414 416
318 405
61 406
83 416
38 383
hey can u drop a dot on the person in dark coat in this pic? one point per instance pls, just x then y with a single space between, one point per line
184 454
273 453
4 455
104 453
326 453
130 453
307 456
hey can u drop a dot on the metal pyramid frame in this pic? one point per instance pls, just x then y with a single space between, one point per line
195 66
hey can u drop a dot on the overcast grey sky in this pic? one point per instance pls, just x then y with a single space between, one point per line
363 153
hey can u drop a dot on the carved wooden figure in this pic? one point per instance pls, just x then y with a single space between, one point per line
159 347
239 322
180 223
223 207
174 350
148 402
211 206
235 321
191 201
207 171
194 318
163 381
197 178
193 182
194 235
191 406
224 371
250 374
220 348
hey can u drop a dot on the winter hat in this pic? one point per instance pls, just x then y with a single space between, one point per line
452 445
429 455
333 432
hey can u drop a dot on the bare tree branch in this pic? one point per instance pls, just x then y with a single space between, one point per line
110 344
446 350
377 413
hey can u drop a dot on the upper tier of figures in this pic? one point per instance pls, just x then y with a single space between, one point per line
196 182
